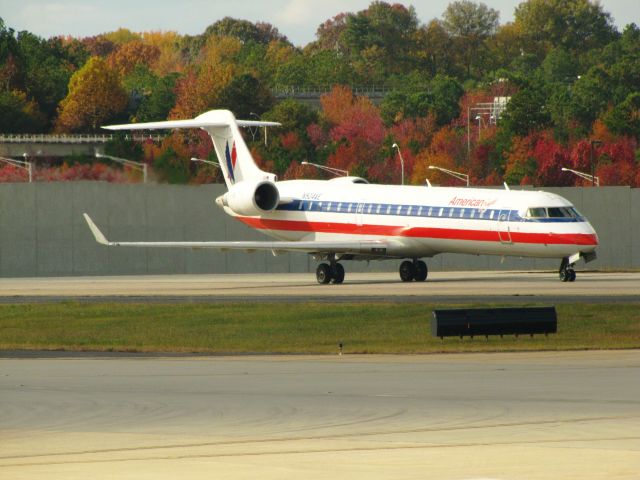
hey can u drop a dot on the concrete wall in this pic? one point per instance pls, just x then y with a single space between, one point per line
42 232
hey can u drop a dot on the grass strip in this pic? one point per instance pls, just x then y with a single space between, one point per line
307 328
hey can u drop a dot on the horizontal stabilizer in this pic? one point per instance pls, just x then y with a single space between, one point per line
192 123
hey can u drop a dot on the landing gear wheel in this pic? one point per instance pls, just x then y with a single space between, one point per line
337 273
323 273
420 271
572 274
407 272
564 275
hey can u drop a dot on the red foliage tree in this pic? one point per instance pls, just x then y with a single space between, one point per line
551 157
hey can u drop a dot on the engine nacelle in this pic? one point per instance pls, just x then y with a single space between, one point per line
252 198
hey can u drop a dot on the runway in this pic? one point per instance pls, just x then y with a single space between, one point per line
491 416
508 287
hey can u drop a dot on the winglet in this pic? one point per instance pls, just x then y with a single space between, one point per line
100 238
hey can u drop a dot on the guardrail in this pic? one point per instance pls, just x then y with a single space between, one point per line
312 91
72 139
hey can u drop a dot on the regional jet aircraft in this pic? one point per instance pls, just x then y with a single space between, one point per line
346 218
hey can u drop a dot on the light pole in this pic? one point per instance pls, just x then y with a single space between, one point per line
460 176
130 163
265 127
593 164
395 145
22 164
201 160
480 120
338 172
594 180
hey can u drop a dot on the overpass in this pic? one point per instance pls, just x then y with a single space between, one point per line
310 94
37 145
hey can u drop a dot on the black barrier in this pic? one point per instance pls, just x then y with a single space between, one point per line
469 322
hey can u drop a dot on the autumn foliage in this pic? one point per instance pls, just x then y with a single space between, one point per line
569 73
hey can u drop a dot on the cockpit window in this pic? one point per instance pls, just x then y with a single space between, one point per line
553 212
537 212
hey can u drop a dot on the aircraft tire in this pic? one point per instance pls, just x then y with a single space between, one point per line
407 272
572 275
421 271
337 273
323 273
564 275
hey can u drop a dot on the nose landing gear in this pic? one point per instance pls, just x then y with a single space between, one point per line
567 273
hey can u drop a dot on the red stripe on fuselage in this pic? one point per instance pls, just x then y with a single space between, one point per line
421 232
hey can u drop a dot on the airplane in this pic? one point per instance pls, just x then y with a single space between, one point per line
347 218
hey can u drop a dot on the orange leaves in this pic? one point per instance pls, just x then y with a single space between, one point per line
441 159
95 96
447 145
198 90
130 54
335 103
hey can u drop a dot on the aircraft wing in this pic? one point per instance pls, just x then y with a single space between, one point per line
362 247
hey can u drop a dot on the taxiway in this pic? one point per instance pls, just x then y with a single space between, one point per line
595 287
499 416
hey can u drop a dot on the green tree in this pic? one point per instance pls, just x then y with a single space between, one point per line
384 34
576 25
8 58
434 49
590 96
292 115
245 31
446 97
95 97
525 111
18 115
624 118
159 101
470 24
245 95
46 71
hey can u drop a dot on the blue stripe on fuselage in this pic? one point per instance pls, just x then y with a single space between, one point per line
426 211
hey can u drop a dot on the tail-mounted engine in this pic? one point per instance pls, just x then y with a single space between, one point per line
252 198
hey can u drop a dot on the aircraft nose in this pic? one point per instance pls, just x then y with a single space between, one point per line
595 241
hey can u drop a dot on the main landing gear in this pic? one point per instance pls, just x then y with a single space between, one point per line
416 270
333 273
567 273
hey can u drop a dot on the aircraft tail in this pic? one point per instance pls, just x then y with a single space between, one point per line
234 156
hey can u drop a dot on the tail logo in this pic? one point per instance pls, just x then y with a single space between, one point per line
231 158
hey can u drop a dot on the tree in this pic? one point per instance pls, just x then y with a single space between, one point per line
355 129
45 71
434 49
95 96
198 90
245 31
469 24
525 112
624 118
245 95
18 114
160 100
383 34
590 97
576 25
130 54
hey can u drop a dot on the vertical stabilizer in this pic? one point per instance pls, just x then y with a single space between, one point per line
233 154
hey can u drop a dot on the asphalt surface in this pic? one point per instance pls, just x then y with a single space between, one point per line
450 287
492 416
